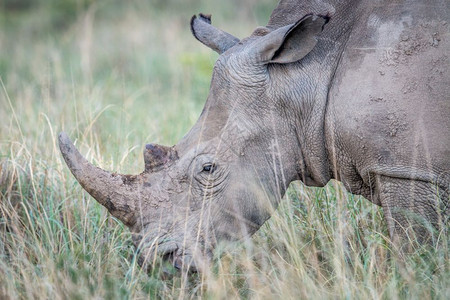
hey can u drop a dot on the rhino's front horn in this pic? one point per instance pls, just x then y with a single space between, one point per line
114 191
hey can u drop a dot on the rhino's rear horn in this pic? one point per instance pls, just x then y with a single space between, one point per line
155 156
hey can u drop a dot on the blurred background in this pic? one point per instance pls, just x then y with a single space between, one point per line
109 69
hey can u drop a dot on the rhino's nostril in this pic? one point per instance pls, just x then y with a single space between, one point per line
178 263
169 256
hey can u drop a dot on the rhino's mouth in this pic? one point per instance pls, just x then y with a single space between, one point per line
173 255
179 261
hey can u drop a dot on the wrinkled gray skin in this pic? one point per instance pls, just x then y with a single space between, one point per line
347 90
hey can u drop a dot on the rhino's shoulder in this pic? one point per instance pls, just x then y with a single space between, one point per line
389 99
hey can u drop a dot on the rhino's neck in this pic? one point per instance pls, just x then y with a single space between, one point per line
305 85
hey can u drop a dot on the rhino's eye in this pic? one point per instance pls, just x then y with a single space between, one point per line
209 167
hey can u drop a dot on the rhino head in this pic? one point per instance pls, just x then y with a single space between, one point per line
224 179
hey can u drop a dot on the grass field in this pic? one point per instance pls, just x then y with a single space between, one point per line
116 75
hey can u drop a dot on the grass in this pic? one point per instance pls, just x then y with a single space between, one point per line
116 76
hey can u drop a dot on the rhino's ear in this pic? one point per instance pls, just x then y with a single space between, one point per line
290 43
214 38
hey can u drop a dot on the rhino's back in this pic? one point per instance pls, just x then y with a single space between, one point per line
389 104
